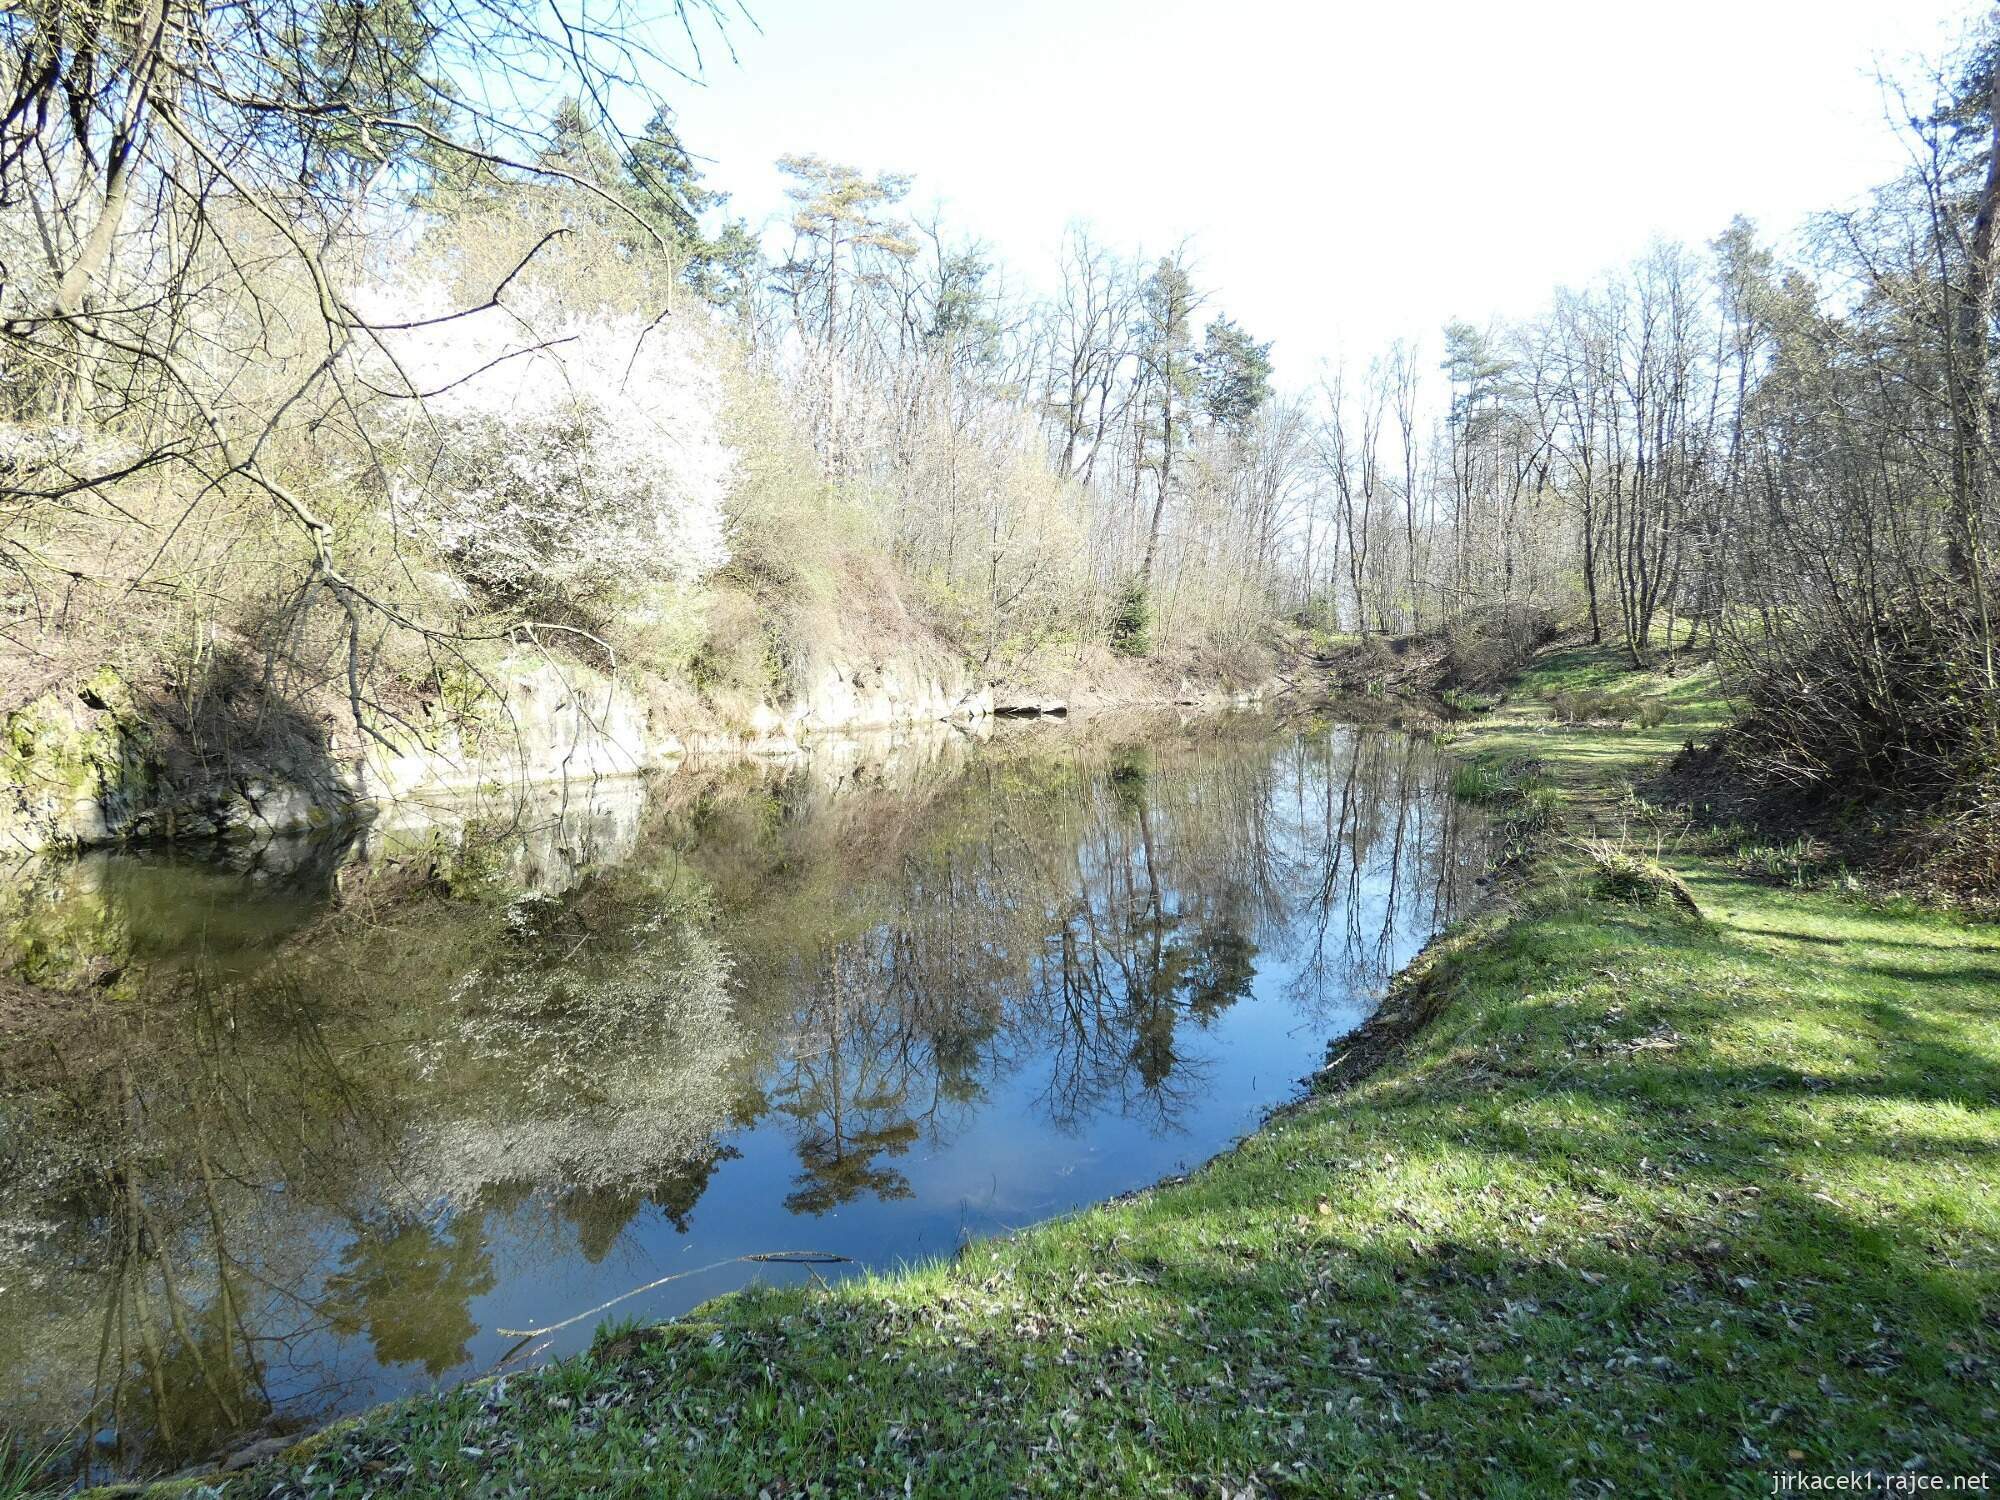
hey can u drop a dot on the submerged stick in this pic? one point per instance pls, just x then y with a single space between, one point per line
768 1257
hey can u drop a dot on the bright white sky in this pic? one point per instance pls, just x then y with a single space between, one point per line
1348 171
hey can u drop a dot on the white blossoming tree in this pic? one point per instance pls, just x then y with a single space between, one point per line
559 459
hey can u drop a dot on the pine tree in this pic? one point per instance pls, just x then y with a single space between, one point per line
1235 374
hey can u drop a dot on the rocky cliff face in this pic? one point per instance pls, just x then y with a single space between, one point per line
844 700
86 765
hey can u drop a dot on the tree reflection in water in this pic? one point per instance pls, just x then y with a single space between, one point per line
272 1131
1078 922
410 1286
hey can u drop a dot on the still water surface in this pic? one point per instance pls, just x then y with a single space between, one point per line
286 1135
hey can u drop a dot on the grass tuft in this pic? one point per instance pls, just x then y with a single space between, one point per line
1637 879
30 1473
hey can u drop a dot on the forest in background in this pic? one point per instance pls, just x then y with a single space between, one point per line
347 344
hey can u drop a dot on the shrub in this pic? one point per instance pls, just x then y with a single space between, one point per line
1132 620
735 654
559 458
1581 706
1899 710
1486 646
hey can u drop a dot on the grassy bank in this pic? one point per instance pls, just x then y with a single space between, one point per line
1652 1204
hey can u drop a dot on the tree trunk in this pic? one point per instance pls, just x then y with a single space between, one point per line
1972 399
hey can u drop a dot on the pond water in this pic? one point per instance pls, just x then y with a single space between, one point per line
289 1133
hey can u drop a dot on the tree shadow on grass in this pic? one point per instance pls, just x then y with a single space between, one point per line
1978 974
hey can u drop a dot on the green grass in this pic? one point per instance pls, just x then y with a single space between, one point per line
29 1473
1480 782
1651 1206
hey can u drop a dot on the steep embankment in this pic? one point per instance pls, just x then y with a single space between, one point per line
1643 1203
96 760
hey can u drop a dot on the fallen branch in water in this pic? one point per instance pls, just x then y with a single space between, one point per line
768 1257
